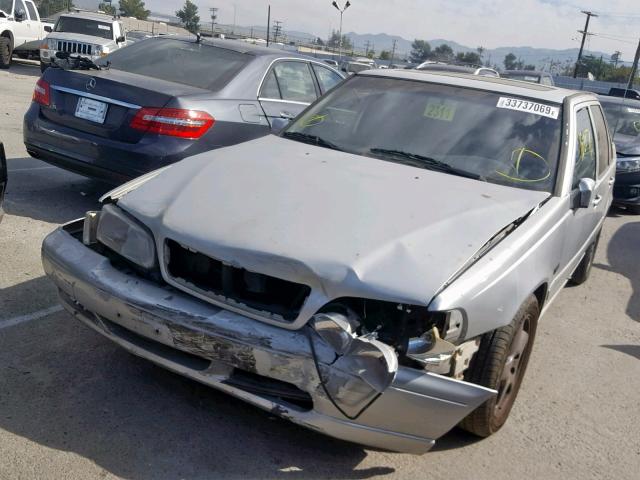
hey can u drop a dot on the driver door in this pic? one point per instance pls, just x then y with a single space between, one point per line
592 159
21 28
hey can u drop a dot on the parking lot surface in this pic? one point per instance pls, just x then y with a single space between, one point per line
73 405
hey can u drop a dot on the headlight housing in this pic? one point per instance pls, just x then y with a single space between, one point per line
628 164
51 44
127 237
101 50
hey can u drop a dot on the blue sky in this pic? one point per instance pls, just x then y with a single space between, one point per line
490 23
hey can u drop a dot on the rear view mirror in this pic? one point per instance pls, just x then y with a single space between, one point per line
120 39
20 15
587 188
48 29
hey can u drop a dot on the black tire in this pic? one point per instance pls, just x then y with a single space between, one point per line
583 270
500 364
5 52
635 209
43 67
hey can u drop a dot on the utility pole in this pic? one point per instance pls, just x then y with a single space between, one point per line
393 52
268 23
341 10
214 16
277 29
585 32
634 69
367 45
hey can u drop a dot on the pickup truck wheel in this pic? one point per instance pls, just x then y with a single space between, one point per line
635 209
5 52
500 364
583 270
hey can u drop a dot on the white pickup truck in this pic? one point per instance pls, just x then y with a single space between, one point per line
21 31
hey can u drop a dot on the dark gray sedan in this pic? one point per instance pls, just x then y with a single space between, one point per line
164 99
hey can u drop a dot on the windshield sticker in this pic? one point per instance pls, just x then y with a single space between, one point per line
633 110
527 166
445 110
529 107
104 27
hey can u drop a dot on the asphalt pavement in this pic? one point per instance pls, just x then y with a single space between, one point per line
74 406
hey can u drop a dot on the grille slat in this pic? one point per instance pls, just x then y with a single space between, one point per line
75 47
232 285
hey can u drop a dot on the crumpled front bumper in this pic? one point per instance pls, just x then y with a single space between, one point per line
209 344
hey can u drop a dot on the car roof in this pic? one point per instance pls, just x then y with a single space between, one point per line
241 47
90 16
499 85
619 100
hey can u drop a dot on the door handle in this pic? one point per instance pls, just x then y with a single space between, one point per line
287 115
597 200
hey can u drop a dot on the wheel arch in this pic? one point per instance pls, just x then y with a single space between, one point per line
8 34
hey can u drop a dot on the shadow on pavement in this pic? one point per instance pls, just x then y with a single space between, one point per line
66 388
624 258
633 350
20 67
39 191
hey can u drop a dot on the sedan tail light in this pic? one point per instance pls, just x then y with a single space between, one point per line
42 93
174 122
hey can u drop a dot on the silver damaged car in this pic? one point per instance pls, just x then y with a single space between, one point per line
376 272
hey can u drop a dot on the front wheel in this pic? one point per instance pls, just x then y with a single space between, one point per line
5 52
500 364
635 209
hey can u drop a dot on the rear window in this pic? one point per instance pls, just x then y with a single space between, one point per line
180 61
84 26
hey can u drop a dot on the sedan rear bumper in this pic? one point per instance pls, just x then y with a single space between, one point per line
223 349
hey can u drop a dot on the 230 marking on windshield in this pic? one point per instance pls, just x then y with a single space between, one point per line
529 107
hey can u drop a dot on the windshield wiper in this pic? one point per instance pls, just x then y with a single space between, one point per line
310 139
421 161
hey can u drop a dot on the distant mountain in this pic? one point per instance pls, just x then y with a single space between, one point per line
529 55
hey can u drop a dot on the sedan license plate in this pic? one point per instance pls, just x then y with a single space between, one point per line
91 110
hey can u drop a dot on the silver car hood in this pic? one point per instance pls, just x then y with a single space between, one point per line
77 37
343 224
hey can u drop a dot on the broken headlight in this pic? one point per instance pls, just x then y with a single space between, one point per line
126 236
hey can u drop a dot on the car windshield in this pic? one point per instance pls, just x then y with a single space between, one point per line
623 118
484 135
180 61
84 26
5 6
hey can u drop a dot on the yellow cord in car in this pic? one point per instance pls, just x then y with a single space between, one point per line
516 159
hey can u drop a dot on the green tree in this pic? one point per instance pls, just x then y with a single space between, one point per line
189 16
443 53
51 7
133 8
420 51
107 8
510 62
334 41
385 55
471 58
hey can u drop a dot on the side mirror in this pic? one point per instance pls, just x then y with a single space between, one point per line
120 39
20 15
279 124
48 29
587 188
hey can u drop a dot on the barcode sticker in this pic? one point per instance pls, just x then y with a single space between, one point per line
528 106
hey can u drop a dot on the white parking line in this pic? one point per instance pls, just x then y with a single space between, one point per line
12 322
14 170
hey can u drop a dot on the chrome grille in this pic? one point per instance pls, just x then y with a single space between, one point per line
75 47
